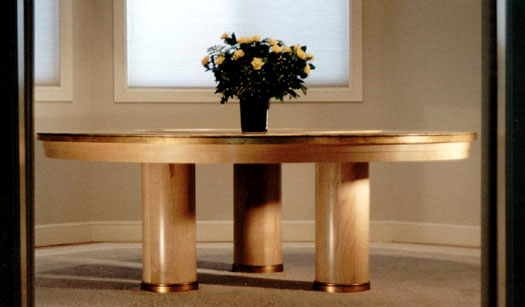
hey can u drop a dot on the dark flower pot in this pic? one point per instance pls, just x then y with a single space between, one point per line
254 115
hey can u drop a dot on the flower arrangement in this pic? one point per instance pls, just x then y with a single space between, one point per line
249 68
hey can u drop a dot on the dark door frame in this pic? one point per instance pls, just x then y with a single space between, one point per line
16 154
489 145
515 152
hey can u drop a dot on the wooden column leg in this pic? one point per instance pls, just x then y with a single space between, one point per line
342 227
168 229
257 218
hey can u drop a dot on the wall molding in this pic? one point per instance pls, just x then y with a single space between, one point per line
293 231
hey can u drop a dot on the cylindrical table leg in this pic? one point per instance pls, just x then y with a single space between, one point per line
168 227
342 227
257 218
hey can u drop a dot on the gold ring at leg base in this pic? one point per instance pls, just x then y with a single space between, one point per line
165 288
257 268
337 288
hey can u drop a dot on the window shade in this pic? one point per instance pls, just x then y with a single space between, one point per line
47 50
166 39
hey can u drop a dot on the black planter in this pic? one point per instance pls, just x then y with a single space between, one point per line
254 115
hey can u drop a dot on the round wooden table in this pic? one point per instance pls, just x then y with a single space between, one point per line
342 158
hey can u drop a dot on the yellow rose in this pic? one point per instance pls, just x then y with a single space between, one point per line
257 63
301 54
277 49
238 54
205 60
287 49
242 40
307 69
272 41
310 56
225 35
296 47
256 38
219 60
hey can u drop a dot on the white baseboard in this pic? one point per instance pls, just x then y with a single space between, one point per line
65 233
293 231
425 233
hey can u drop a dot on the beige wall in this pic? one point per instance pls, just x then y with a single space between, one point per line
421 71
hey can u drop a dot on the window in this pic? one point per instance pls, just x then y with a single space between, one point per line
53 50
159 44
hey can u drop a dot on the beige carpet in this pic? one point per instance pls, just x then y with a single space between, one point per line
401 275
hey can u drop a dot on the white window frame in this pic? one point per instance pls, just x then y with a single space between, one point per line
353 92
64 90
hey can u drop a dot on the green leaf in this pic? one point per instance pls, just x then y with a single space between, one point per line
303 89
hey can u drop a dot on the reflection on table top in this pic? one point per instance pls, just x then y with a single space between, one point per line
277 136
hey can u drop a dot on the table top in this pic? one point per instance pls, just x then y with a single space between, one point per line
274 146
235 136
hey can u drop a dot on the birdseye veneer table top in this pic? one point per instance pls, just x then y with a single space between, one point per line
282 136
275 146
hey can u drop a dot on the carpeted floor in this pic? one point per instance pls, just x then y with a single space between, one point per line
401 275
